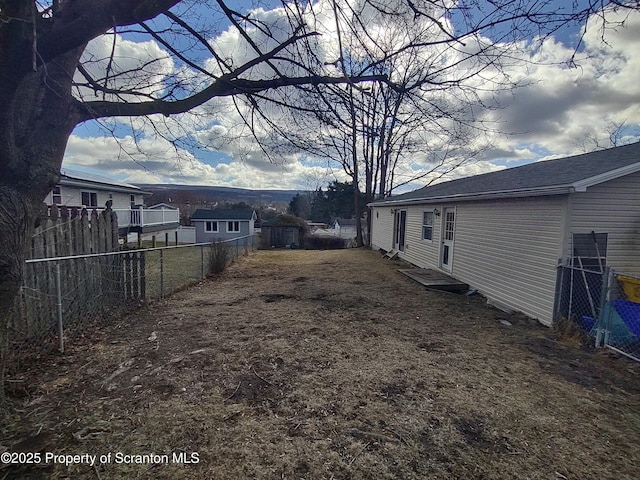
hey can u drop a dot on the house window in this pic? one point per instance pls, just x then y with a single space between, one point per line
89 199
57 195
233 227
449 224
132 201
427 226
210 227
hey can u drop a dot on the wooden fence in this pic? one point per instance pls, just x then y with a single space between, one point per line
73 275
71 231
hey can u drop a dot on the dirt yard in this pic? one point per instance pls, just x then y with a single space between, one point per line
324 365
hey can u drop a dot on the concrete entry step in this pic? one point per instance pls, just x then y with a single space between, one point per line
435 279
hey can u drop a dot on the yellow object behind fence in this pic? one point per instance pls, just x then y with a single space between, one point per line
631 287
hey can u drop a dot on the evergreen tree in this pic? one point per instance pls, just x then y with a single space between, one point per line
299 206
336 202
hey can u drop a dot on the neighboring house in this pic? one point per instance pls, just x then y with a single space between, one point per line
346 227
505 233
220 224
320 225
82 190
162 206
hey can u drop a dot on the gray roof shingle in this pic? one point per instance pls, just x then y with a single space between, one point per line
222 214
527 179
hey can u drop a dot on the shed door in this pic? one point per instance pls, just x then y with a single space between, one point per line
448 233
401 225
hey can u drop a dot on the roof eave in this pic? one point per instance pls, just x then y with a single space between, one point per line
582 185
78 182
220 219
531 192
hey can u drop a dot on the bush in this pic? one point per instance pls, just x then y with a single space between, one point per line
572 333
325 243
219 257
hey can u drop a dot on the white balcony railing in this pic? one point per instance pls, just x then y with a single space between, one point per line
141 217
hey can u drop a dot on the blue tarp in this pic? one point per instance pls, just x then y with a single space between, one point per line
629 312
614 322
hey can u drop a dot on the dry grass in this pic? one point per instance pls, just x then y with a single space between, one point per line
179 266
329 364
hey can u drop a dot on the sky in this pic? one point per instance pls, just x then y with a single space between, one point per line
560 110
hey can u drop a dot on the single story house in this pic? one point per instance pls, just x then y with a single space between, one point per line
224 224
506 232
78 190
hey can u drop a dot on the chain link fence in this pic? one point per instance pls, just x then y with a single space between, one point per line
62 296
605 305
579 294
618 327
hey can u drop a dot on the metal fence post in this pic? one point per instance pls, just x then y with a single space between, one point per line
161 274
571 287
143 276
59 305
201 261
604 294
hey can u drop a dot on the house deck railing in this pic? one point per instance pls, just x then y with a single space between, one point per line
134 217
143 217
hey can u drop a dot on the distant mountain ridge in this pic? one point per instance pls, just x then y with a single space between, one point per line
179 193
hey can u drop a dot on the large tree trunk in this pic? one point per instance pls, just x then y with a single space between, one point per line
17 219
37 115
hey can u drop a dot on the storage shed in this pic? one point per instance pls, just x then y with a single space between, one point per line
505 233
284 231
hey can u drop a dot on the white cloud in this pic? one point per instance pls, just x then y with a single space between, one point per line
157 161
115 62
563 106
558 112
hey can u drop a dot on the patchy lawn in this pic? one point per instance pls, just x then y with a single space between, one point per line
320 365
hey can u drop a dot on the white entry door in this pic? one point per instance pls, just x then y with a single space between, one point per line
448 234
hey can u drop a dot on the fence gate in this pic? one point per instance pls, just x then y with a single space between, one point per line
619 324
606 305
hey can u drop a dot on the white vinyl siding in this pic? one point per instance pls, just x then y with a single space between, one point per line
614 208
382 228
419 252
508 250
72 197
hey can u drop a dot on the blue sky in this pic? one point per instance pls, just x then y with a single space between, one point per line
563 110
